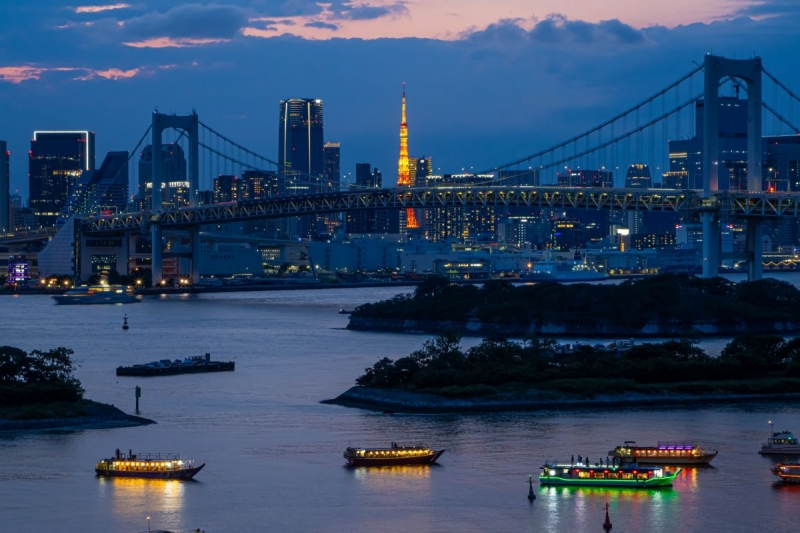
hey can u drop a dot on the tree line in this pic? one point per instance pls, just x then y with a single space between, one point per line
37 377
675 298
535 362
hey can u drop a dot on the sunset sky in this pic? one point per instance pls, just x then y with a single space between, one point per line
563 65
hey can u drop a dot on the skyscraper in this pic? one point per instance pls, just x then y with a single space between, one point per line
332 172
101 190
638 177
5 200
175 187
403 171
56 161
300 148
300 155
226 189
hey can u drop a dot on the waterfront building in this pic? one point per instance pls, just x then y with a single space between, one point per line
175 187
226 189
101 191
56 161
5 191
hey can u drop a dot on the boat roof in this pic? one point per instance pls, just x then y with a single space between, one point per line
623 466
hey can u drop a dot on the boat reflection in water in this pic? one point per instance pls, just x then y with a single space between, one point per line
132 498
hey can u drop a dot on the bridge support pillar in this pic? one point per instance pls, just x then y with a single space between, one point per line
156 254
195 238
711 244
755 252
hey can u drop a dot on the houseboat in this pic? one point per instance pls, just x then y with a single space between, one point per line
394 455
665 453
625 475
148 465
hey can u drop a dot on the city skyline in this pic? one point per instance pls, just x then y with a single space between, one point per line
569 71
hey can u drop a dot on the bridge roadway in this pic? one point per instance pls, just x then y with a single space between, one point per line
735 204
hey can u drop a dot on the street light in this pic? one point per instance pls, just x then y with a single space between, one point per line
148 524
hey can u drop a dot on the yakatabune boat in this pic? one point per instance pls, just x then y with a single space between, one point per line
149 465
789 473
626 475
394 455
666 453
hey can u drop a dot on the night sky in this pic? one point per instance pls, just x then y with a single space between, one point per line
487 81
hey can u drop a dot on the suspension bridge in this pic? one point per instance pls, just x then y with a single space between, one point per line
644 132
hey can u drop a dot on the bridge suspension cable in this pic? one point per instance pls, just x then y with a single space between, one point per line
600 127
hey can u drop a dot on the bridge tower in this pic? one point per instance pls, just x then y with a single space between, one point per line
749 70
190 125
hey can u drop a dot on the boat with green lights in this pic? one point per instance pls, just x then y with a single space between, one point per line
625 475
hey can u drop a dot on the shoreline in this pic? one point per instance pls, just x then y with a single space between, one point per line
88 415
391 401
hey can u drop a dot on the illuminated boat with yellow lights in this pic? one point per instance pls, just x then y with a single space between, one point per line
665 453
789 473
394 455
625 475
149 465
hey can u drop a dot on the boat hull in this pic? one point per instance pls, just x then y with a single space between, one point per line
393 461
688 461
89 300
788 473
186 473
793 450
611 483
144 371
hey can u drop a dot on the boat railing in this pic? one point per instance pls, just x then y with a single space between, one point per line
153 457
676 445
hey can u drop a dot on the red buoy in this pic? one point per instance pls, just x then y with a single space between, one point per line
607 523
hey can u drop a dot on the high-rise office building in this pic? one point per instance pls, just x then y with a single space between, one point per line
300 157
5 192
56 161
585 178
300 146
104 190
638 177
332 172
374 220
175 187
226 189
259 184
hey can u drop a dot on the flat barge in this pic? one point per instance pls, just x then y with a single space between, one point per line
166 367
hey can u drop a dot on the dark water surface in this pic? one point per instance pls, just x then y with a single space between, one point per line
274 454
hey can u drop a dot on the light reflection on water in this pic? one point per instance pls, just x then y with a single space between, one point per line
132 498
274 454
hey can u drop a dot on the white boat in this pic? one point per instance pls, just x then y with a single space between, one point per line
562 271
97 294
780 443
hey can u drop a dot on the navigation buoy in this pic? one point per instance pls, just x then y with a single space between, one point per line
531 495
607 523
125 322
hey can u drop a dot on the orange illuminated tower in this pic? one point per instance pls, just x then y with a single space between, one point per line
403 175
